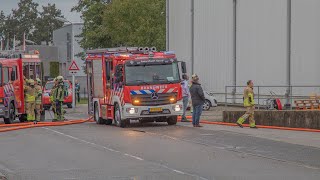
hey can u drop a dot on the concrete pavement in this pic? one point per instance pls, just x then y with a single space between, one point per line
157 151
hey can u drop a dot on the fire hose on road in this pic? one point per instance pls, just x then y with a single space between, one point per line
12 127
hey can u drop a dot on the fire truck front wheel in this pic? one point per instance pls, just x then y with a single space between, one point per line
172 120
12 115
117 117
97 118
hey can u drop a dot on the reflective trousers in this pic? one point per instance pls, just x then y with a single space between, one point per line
249 114
30 110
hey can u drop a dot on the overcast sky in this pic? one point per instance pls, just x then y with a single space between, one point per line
64 5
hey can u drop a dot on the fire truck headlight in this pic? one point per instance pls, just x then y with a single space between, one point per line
132 110
177 107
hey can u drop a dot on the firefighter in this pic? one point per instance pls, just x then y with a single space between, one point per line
58 97
248 102
38 88
53 104
30 93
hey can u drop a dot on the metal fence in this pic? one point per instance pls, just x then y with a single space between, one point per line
263 94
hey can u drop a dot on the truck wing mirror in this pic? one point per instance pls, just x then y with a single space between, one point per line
183 67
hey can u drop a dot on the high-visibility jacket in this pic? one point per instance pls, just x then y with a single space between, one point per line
38 94
30 93
248 97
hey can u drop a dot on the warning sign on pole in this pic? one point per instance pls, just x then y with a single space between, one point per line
73 68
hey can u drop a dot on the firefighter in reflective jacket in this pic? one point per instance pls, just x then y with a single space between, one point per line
53 103
58 95
38 88
30 93
248 102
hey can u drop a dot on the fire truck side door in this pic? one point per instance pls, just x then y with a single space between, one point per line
108 75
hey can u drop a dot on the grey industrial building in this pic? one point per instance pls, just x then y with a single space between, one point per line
227 42
64 39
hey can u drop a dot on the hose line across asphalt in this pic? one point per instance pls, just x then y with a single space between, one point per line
12 127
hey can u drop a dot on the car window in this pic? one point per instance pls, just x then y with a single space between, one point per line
49 85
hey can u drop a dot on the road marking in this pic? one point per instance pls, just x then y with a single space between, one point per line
235 149
125 154
133 156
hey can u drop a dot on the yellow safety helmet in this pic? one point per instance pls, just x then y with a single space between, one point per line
60 78
31 82
38 81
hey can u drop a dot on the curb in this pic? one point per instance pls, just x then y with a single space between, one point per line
259 126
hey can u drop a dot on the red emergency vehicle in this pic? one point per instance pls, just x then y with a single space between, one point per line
13 67
133 84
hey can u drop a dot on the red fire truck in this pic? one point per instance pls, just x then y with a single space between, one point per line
130 83
13 67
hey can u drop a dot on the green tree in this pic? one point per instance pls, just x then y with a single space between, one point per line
93 32
136 22
122 23
26 15
46 23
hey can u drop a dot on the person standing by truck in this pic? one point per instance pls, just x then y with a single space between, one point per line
185 96
77 89
58 96
53 103
38 88
248 102
30 92
198 99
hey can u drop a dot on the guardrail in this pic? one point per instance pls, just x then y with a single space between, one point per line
263 94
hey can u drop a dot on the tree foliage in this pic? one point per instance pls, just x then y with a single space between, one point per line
93 34
37 26
123 23
46 23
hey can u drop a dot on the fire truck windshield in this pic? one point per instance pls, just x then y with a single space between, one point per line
146 73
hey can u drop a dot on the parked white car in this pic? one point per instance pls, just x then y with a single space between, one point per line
210 101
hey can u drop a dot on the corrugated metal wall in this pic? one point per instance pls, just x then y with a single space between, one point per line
180 29
213 50
305 66
261 30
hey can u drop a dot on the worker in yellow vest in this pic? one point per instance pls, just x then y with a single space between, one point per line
38 88
30 92
248 102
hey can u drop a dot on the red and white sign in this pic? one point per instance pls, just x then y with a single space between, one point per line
74 68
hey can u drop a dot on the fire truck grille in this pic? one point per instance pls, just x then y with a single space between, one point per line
146 99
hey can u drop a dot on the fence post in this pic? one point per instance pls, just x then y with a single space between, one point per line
258 97
84 90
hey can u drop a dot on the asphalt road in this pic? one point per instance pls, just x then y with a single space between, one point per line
151 151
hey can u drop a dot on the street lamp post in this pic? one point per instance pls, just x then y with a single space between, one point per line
72 57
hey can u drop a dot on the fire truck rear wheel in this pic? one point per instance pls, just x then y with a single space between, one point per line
172 120
117 117
12 115
98 119
23 118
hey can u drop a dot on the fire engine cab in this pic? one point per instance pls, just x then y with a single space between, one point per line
14 66
131 83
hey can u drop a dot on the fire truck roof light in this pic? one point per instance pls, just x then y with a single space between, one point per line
169 52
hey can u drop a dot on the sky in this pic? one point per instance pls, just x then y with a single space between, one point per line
64 5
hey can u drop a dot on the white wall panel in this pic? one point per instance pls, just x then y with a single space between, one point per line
262 42
305 66
180 30
214 43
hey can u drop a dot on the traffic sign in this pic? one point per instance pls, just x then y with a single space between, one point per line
74 67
